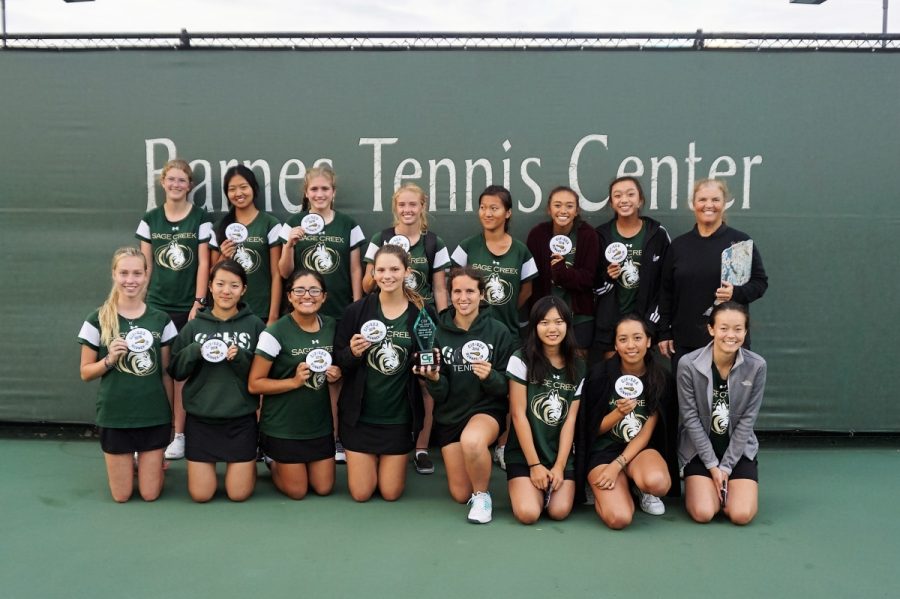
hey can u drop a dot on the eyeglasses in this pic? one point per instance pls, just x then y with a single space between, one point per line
312 291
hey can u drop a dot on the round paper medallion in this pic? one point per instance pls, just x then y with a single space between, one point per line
236 232
373 331
629 386
312 224
139 340
560 244
214 350
318 359
475 351
616 252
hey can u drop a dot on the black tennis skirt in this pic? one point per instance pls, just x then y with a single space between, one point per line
297 451
230 440
130 440
377 439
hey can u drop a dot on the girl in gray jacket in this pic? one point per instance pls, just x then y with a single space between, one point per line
720 390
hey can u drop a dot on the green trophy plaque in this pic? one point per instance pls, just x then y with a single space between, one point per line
424 329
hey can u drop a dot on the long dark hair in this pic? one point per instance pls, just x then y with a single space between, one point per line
501 192
726 306
246 173
536 361
655 376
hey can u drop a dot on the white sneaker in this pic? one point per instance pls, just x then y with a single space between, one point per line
499 457
340 456
650 504
175 450
480 512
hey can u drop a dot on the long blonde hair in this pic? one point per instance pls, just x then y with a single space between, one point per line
411 295
423 215
109 312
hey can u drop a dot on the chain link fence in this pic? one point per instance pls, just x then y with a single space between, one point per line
405 41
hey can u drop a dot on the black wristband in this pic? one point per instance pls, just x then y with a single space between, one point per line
533 465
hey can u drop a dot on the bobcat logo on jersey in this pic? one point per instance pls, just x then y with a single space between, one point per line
174 256
414 280
138 363
629 427
549 408
388 358
320 258
497 291
720 418
248 258
316 380
630 277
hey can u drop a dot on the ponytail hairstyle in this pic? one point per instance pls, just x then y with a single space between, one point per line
732 306
655 377
536 360
109 312
423 215
241 171
318 171
501 192
388 249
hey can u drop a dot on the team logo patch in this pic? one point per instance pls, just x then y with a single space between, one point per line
248 258
549 408
320 258
630 277
497 291
414 280
138 363
720 418
174 256
388 358
629 427
315 381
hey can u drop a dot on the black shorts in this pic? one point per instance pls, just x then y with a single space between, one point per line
603 456
584 334
297 451
179 319
377 439
445 434
519 470
744 469
130 440
230 440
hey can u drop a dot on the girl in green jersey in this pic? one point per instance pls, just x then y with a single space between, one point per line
545 380
134 401
295 422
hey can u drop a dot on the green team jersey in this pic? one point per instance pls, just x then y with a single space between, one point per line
216 391
303 413
563 293
718 427
328 253
625 429
389 363
547 405
629 279
418 279
173 282
503 275
263 233
131 393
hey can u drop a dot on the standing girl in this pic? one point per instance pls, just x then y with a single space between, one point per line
720 390
469 391
293 370
629 284
125 343
213 354
545 380
567 269
428 259
258 251
621 407
332 250
175 242
381 401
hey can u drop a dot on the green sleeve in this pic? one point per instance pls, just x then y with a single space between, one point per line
241 363
440 389
185 357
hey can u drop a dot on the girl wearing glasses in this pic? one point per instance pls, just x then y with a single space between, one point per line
381 401
259 253
293 369
212 354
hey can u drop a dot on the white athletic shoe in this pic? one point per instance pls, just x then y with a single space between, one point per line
499 456
340 456
175 450
650 504
480 512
